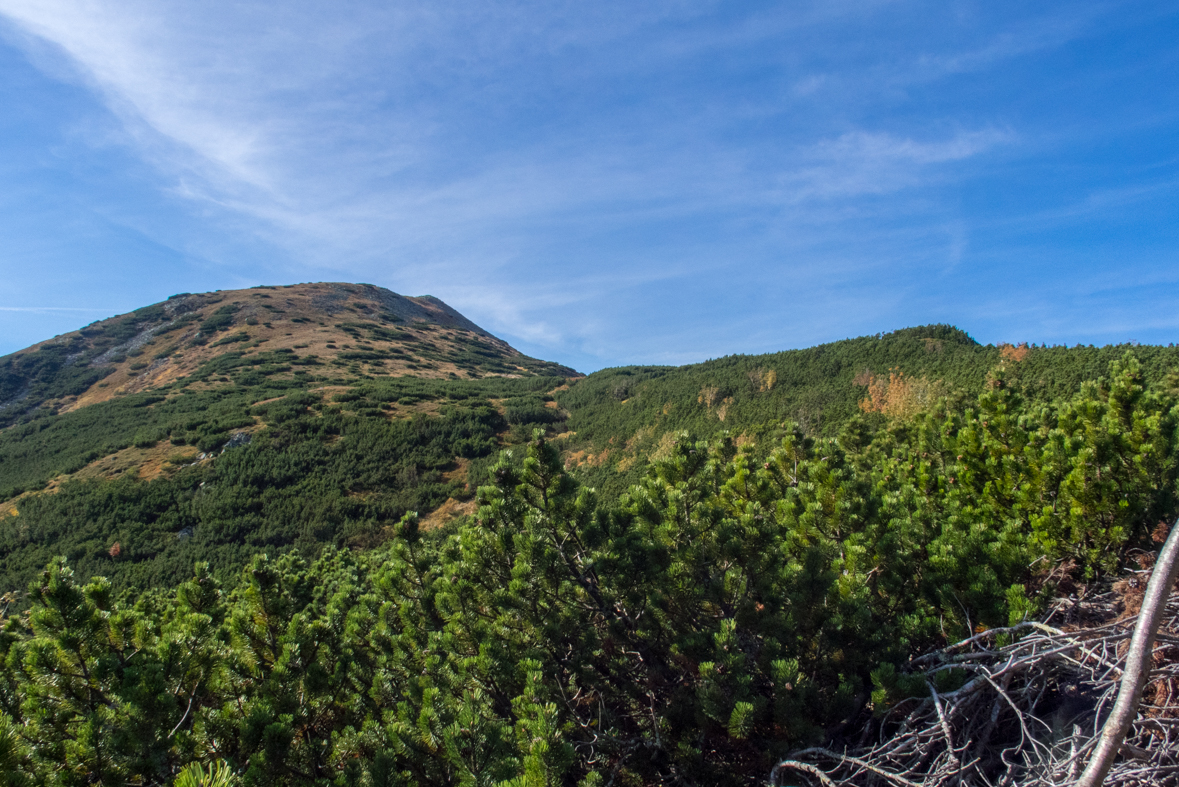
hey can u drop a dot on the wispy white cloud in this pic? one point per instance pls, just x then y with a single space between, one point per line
1039 34
315 122
859 162
485 146
320 124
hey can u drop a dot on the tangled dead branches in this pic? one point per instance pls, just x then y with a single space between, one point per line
1028 707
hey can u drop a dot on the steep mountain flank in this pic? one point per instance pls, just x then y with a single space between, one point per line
217 425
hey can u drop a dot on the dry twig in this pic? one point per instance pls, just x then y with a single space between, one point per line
1028 712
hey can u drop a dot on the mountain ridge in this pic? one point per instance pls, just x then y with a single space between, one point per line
301 416
380 333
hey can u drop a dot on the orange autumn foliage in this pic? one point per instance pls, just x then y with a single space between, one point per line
1013 352
899 396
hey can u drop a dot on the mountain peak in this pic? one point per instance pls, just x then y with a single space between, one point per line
337 328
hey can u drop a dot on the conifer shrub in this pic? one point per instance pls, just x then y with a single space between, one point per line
736 603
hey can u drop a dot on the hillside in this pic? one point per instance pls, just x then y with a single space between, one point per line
217 425
620 418
286 619
319 566
352 329
346 403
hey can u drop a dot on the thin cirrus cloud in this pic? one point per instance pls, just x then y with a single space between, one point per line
547 167
225 110
859 162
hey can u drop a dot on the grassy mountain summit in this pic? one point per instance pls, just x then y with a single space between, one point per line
346 404
199 338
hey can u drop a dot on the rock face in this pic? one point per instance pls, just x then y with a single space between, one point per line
358 328
237 441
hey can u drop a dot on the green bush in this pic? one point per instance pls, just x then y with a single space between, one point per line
730 607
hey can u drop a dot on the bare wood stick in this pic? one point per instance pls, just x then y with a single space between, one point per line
941 716
916 737
988 634
1138 662
856 761
802 766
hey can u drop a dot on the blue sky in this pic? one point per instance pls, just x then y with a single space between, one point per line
603 183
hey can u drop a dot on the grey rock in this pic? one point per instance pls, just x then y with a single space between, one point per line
237 441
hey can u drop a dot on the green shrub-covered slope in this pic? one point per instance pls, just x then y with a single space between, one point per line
138 486
735 604
319 472
666 575
620 417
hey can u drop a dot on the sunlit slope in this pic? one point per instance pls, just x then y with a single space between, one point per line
620 417
213 338
213 426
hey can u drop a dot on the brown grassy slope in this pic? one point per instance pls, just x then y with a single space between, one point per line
354 329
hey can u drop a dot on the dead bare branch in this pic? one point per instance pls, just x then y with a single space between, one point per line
1023 707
